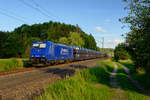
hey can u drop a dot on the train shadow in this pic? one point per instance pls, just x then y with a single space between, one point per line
26 63
78 66
64 72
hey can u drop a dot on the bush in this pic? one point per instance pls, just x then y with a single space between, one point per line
13 64
120 52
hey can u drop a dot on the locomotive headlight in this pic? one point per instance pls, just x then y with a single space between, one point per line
43 56
32 55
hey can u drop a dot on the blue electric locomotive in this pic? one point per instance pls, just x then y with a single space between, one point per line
48 52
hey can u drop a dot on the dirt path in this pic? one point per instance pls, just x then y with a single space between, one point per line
113 80
138 86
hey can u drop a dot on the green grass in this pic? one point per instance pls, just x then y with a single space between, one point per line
12 64
88 84
129 64
129 88
138 74
120 68
109 64
93 84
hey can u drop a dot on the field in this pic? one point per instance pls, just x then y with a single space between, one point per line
94 84
13 63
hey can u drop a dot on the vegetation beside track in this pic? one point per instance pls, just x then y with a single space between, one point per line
130 90
13 64
138 74
85 85
93 84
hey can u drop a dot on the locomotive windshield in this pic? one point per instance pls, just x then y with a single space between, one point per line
39 45
42 45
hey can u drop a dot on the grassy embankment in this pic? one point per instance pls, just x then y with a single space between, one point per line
129 88
12 64
92 84
139 74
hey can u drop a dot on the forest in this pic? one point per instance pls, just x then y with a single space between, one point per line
18 42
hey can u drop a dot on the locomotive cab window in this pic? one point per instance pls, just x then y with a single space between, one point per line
42 45
39 45
35 45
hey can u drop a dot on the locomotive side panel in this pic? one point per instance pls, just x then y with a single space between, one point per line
62 52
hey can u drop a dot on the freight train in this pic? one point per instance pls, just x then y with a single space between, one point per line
48 52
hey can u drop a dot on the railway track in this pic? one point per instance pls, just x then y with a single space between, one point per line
25 83
9 72
3 73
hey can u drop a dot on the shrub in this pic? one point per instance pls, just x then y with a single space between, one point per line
120 53
13 64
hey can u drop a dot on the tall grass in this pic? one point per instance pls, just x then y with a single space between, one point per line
129 88
138 74
10 64
93 84
130 91
83 86
120 68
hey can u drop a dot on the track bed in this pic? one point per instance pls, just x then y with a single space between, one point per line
27 84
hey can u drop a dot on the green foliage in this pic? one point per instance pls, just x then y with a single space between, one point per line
89 41
10 64
13 63
137 74
139 36
93 84
18 42
120 52
3 37
130 88
64 40
75 39
12 47
125 84
80 87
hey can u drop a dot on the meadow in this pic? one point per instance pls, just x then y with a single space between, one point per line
93 84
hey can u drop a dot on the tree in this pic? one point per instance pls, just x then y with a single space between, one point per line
90 42
12 47
138 39
64 40
75 39
18 42
120 52
3 37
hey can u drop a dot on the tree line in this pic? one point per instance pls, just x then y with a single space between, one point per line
138 39
18 42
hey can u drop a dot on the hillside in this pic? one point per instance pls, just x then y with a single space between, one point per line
18 42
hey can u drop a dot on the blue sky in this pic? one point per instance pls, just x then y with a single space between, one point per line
98 17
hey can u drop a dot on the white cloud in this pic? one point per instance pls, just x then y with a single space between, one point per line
116 41
100 29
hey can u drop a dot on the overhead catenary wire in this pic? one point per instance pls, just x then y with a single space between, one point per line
11 16
46 11
35 8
